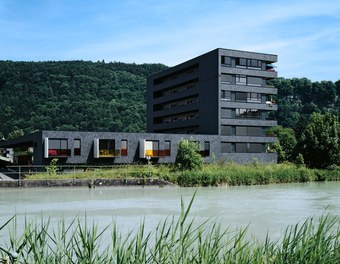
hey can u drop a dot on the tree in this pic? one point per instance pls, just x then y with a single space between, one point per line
320 143
188 157
285 144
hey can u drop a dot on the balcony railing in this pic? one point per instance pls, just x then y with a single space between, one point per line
59 152
109 153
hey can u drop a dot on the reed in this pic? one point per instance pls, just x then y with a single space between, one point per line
174 240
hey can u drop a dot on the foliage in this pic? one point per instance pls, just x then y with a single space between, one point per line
286 142
178 240
73 95
52 168
208 175
188 157
320 142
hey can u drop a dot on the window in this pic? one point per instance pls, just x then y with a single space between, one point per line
255 81
225 95
254 97
241 80
241 62
58 148
255 148
255 64
107 148
253 113
167 148
123 147
226 78
240 97
226 130
241 147
225 113
255 131
226 60
227 147
241 113
206 151
77 147
241 131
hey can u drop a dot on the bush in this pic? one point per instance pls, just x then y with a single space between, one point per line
188 157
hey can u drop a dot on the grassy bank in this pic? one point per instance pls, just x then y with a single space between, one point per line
210 175
172 241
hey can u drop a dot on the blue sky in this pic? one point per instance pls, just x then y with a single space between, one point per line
305 34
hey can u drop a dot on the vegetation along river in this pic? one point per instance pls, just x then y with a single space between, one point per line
263 208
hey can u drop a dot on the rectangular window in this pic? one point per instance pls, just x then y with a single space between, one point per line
58 148
206 151
241 62
226 130
225 95
255 81
253 113
241 113
123 148
226 60
255 148
254 64
241 131
77 147
241 80
226 147
254 97
167 148
226 78
240 97
255 131
225 113
107 148
241 147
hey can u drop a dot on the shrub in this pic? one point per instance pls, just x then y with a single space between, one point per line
188 157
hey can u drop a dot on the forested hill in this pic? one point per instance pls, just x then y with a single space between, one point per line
99 96
73 95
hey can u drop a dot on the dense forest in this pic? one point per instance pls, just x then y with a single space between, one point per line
99 96
73 95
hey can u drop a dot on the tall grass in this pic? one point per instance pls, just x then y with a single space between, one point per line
174 240
210 175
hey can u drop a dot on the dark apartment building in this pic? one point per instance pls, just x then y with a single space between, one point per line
223 92
221 99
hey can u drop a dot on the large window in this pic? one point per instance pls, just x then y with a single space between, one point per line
167 148
248 63
247 113
255 81
241 131
254 98
241 63
58 148
107 148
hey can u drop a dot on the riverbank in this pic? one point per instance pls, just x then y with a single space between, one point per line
211 175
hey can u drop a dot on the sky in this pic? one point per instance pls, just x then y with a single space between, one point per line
305 34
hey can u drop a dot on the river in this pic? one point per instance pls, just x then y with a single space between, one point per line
268 208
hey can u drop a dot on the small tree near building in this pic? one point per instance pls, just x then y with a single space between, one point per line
188 157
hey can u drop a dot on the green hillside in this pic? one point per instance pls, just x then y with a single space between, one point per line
73 95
